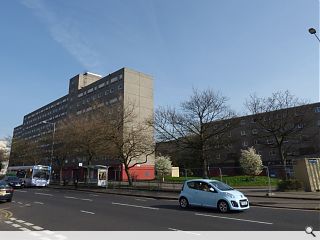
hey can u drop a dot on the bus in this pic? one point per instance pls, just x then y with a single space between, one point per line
35 175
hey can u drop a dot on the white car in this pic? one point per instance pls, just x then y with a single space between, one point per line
212 193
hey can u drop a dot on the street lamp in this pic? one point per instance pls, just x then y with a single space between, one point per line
54 130
314 32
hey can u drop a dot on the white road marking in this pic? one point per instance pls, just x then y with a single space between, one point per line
16 225
13 201
13 219
41 203
173 229
95 195
87 212
20 191
142 200
137 206
37 228
20 221
71 197
28 224
28 205
45 194
20 202
289 209
24 229
86 199
8 222
230 218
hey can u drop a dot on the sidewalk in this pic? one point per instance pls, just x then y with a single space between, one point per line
288 200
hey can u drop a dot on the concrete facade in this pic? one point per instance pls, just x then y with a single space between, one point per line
120 88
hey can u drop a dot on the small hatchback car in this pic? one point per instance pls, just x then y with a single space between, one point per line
6 191
212 193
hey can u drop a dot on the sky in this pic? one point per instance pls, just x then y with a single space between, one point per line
236 47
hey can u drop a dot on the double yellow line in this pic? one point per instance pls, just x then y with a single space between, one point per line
5 214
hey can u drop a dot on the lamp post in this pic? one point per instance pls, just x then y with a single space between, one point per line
312 31
54 130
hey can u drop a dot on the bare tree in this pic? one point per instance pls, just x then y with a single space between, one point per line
191 125
125 137
25 152
279 120
78 136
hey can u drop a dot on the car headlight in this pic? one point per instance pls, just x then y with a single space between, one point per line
230 195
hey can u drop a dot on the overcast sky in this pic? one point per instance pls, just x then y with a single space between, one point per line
236 47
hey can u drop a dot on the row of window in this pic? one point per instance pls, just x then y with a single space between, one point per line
45 115
106 83
47 108
111 101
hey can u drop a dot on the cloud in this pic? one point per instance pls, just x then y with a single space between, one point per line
65 32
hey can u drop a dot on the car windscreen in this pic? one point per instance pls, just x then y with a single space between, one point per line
221 186
13 179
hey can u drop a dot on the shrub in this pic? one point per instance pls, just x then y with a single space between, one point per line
251 162
289 185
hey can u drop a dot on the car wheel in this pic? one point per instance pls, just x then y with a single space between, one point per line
183 202
9 200
223 206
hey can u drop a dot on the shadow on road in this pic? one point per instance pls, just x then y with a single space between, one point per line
194 209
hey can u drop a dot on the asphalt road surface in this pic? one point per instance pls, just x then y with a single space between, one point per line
67 210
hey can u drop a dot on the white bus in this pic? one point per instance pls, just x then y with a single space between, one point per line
36 175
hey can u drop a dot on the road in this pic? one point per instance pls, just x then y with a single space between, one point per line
67 210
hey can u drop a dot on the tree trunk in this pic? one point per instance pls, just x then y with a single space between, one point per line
283 160
205 168
205 162
61 179
128 175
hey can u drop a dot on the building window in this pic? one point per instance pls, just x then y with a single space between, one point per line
243 133
218 156
272 153
114 79
254 131
242 122
300 126
101 85
317 110
270 141
245 143
111 90
120 87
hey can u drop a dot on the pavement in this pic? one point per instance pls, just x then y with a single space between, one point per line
257 196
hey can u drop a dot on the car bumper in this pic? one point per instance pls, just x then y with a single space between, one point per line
239 204
6 197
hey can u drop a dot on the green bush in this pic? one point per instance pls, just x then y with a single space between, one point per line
286 185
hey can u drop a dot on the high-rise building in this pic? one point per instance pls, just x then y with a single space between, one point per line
122 87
